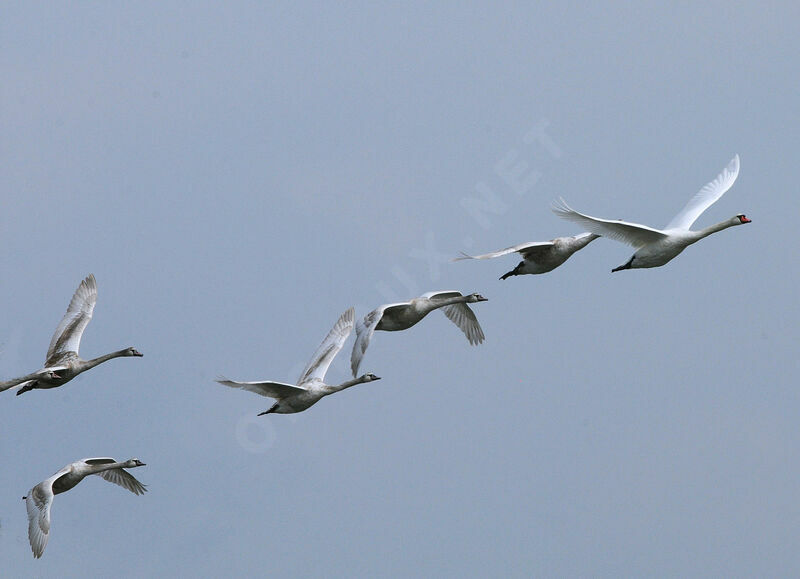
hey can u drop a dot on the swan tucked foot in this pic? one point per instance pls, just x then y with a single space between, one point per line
26 388
624 266
273 409
515 271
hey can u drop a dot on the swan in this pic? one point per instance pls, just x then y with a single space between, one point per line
540 256
310 387
40 498
63 363
655 247
403 315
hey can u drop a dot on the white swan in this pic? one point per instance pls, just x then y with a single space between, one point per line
63 363
40 497
310 387
401 316
655 247
540 256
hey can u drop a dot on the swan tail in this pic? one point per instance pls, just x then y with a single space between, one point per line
27 386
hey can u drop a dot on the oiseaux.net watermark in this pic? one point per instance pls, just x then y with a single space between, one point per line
514 175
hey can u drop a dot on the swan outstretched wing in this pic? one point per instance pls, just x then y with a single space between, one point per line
524 248
118 476
441 294
23 381
460 314
38 504
275 390
98 460
29 378
463 317
329 347
364 330
121 477
631 233
67 337
706 197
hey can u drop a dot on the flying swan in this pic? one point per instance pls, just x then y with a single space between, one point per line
401 316
40 497
310 387
539 256
655 247
63 363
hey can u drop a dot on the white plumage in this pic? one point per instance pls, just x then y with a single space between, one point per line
310 386
655 247
40 497
403 315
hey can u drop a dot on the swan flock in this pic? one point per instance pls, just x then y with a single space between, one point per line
653 248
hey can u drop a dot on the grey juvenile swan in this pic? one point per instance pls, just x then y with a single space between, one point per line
655 247
40 497
401 316
63 363
540 256
310 387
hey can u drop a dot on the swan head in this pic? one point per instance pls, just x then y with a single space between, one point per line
742 219
134 462
477 298
369 377
133 352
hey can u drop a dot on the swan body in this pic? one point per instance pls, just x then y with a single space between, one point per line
403 315
656 247
310 387
63 362
540 256
40 498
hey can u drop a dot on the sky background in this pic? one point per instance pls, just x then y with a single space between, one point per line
237 175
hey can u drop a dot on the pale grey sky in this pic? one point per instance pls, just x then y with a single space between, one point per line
236 175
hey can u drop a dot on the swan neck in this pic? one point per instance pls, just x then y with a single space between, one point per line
95 361
716 227
95 468
431 305
343 385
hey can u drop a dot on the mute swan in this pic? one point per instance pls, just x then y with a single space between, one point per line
655 247
401 316
310 387
63 363
40 497
540 256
